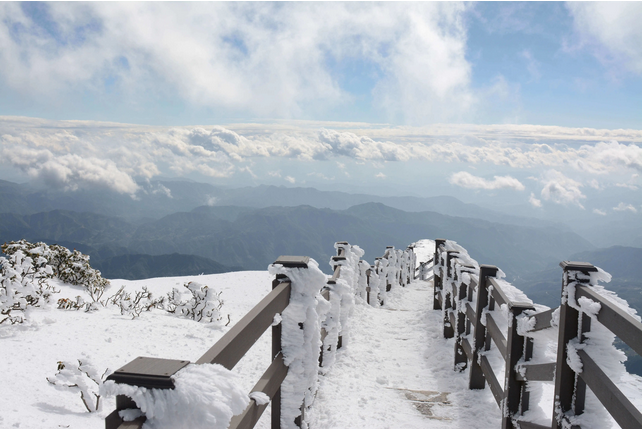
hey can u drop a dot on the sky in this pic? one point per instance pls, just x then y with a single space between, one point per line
535 104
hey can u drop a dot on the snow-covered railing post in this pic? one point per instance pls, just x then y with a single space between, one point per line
465 283
476 375
519 347
149 373
300 337
447 294
582 301
569 387
438 272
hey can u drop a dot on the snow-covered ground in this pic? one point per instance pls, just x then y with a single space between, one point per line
107 340
395 369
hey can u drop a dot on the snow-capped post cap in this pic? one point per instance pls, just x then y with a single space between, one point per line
345 243
151 373
292 261
578 266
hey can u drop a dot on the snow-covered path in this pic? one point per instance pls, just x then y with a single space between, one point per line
396 371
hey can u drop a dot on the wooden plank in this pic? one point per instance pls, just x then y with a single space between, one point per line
491 379
501 298
536 371
530 425
497 293
151 373
497 336
626 327
616 403
238 340
466 346
543 319
452 319
471 314
269 383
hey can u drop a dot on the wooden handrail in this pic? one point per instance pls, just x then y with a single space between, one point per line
237 341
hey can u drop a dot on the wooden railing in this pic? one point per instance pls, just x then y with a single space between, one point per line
467 295
157 373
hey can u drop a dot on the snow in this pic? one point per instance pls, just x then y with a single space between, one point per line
107 340
394 369
205 395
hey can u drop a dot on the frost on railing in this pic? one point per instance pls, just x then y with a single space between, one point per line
506 341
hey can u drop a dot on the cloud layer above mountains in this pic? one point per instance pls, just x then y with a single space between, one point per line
73 154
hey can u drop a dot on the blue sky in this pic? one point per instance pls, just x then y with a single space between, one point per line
535 103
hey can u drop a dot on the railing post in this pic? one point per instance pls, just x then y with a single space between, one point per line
437 279
569 388
460 363
151 373
447 304
275 403
516 397
476 376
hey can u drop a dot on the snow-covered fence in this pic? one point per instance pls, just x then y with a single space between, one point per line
583 302
151 373
468 293
309 315
395 268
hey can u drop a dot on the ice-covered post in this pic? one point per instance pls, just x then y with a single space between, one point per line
300 338
569 388
476 376
447 296
151 373
460 363
516 397
437 274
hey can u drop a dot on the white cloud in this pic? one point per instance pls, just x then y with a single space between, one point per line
380 175
117 155
290 179
599 212
267 58
561 189
625 207
68 171
595 184
467 180
535 201
612 30
533 66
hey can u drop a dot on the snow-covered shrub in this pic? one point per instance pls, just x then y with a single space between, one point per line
22 285
70 304
81 378
69 266
203 306
134 305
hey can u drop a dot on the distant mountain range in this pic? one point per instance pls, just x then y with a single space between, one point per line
184 228
252 238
